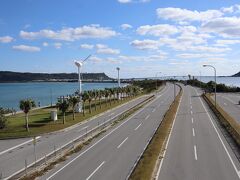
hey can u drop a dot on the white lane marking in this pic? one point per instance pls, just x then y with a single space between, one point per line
138 127
154 110
193 131
225 104
166 147
191 112
191 106
18 145
111 114
104 137
195 152
228 99
147 117
82 129
230 158
192 120
96 170
122 142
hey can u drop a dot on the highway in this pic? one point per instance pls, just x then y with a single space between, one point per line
229 103
113 155
14 153
196 149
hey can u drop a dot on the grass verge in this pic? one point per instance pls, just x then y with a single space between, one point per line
147 163
226 120
40 121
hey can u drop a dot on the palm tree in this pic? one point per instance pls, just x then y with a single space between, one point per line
74 100
63 106
85 97
95 95
100 94
106 94
26 105
90 96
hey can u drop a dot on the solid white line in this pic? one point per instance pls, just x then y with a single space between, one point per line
82 129
195 152
154 110
147 117
95 170
138 127
193 132
230 158
122 142
18 145
192 120
160 166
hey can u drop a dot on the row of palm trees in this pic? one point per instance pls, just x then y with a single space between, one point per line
93 97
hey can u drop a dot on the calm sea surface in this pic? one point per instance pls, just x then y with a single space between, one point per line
43 92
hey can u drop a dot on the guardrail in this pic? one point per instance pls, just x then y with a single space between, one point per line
227 121
60 151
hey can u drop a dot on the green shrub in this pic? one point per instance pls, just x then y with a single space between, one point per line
3 121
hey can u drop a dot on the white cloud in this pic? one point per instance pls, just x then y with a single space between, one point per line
27 48
157 30
153 57
57 45
6 39
104 49
71 34
197 55
178 14
86 46
45 44
226 26
145 44
133 1
126 26
226 42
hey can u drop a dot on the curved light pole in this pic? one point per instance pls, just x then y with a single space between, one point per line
215 77
79 65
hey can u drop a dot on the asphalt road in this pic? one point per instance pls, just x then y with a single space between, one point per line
229 102
14 153
113 155
196 149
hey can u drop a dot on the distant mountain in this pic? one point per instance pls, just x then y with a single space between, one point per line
8 76
236 75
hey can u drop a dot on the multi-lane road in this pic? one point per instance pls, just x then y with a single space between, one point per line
114 154
196 149
14 153
230 103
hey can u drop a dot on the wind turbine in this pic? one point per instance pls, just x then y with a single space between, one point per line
79 65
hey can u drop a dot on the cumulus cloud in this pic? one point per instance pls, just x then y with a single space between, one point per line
6 39
26 48
86 46
197 55
45 44
157 30
57 45
126 26
225 26
71 34
226 42
104 49
146 44
124 1
133 1
178 14
153 57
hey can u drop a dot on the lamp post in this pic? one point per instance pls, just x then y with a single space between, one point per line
215 77
119 85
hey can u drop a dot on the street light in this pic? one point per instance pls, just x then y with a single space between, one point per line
118 69
215 75
79 65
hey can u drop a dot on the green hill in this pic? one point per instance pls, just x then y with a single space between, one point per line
8 76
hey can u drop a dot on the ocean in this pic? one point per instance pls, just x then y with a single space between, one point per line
44 93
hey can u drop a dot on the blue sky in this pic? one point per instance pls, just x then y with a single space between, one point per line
142 37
